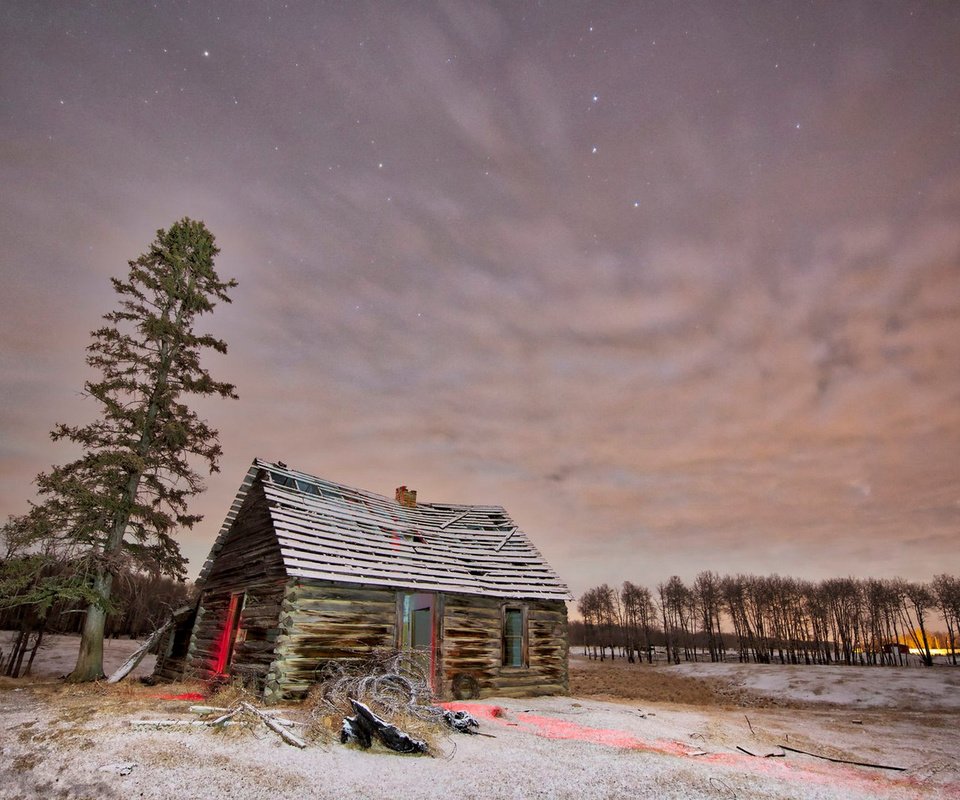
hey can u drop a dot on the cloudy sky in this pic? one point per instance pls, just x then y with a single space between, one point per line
677 284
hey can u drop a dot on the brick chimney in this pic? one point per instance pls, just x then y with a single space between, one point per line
406 497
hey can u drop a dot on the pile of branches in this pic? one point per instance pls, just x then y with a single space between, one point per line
242 714
385 697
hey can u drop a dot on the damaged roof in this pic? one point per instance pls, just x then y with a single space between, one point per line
328 531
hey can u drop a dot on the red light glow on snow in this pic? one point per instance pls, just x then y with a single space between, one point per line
185 696
866 784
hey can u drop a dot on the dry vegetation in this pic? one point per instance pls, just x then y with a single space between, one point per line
621 682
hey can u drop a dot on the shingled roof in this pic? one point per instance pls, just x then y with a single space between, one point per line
328 531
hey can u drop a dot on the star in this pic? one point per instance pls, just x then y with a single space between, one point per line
595 98
636 204
206 54
594 150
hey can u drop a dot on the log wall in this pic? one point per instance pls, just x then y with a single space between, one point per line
322 622
172 647
248 561
472 649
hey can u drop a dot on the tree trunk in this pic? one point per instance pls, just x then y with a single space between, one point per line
36 647
90 658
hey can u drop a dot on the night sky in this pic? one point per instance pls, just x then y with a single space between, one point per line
677 284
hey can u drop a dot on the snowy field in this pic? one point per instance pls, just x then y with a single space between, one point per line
632 731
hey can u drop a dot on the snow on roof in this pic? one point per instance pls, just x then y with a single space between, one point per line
328 531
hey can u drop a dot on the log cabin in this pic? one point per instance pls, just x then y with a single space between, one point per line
305 571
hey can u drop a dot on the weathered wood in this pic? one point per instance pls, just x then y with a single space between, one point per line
247 559
472 647
323 567
131 663
275 726
365 725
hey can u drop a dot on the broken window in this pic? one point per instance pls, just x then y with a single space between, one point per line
283 480
307 488
515 636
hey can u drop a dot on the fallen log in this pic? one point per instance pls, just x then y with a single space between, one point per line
222 709
224 717
842 760
171 723
275 725
365 725
130 664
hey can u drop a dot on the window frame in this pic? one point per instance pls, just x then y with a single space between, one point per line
505 610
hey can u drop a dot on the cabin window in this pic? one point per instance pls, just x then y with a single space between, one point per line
308 488
283 480
515 636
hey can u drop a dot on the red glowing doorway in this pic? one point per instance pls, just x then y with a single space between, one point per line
230 634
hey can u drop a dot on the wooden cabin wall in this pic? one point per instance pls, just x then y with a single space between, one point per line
323 621
328 621
248 561
172 647
471 649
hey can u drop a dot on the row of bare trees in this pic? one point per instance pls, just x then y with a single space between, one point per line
772 618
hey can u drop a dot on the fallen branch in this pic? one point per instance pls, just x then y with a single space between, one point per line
170 723
224 717
765 755
223 709
752 732
843 760
691 751
274 725
130 664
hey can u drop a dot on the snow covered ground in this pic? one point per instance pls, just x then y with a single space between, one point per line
914 688
74 742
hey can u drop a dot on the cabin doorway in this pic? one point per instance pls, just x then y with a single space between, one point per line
418 631
232 633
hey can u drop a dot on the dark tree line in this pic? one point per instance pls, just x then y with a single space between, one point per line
770 619
44 590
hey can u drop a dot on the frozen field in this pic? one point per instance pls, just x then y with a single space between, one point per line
630 731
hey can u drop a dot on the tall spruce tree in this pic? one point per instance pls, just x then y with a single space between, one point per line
125 496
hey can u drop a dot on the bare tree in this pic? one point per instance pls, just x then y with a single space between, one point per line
946 589
916 599
707 596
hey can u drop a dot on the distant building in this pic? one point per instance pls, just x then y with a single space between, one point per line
305 571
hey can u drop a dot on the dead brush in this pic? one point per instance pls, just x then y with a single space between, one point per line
229 694
393 683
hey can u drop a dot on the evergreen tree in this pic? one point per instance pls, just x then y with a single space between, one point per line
123 498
